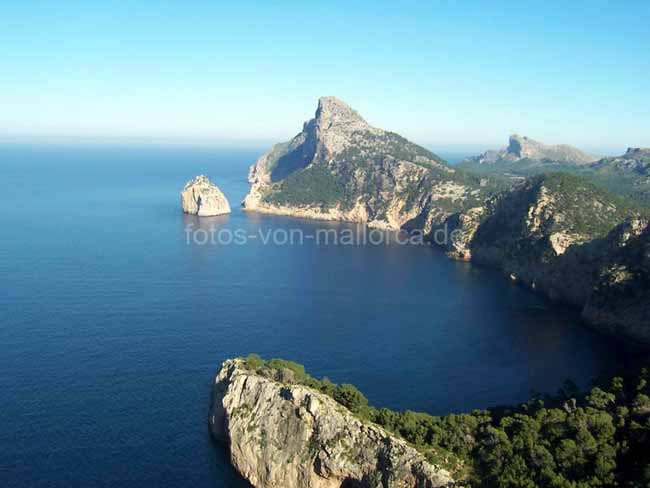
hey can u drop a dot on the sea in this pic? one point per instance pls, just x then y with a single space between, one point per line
116 311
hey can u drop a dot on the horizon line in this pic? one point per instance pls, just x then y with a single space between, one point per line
469 147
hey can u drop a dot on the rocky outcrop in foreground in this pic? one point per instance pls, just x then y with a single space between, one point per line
285 435
341 168
203 198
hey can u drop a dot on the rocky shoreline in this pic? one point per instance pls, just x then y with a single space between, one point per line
555 233
282 434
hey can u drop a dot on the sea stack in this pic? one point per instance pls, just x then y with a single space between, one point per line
203 198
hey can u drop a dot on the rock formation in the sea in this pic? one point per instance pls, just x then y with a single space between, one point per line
203 198
341 168
285 435
522 149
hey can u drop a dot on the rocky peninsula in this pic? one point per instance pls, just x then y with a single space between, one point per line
556 233
284 434
339 167
561 236
286 429
203 198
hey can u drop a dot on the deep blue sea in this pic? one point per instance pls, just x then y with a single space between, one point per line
112 325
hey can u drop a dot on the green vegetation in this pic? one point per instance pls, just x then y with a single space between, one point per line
601 439
314 185
630 186
363 169
573 206
592 210
611 174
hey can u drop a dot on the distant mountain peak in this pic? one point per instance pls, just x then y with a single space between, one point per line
637 152
523 147
333 111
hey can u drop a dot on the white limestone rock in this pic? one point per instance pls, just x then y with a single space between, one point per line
285 435
203 198
343 169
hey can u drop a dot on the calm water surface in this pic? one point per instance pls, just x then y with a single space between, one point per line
112 326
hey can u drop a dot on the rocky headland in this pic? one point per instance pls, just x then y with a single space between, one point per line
283 434
341 168
203 198
286 429
556 233
561 236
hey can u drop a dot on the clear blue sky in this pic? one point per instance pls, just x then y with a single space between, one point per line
446 73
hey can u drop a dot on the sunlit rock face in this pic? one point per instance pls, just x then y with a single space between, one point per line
285 435
203 198
339 167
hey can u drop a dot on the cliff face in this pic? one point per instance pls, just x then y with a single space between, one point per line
549 231
545 234
341 168
620 301
561 236
201 197
284 435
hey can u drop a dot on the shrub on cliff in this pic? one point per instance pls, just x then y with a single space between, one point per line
601 439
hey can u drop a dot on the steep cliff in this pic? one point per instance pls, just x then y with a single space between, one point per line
620 301
274 412
282 434
548 231
546 234
341 168
561 236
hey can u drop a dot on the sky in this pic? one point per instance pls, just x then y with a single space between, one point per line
447 74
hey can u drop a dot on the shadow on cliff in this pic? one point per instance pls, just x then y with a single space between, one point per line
352 483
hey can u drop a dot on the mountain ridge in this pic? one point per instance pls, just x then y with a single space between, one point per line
627 175
339 167
524 148
552 232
